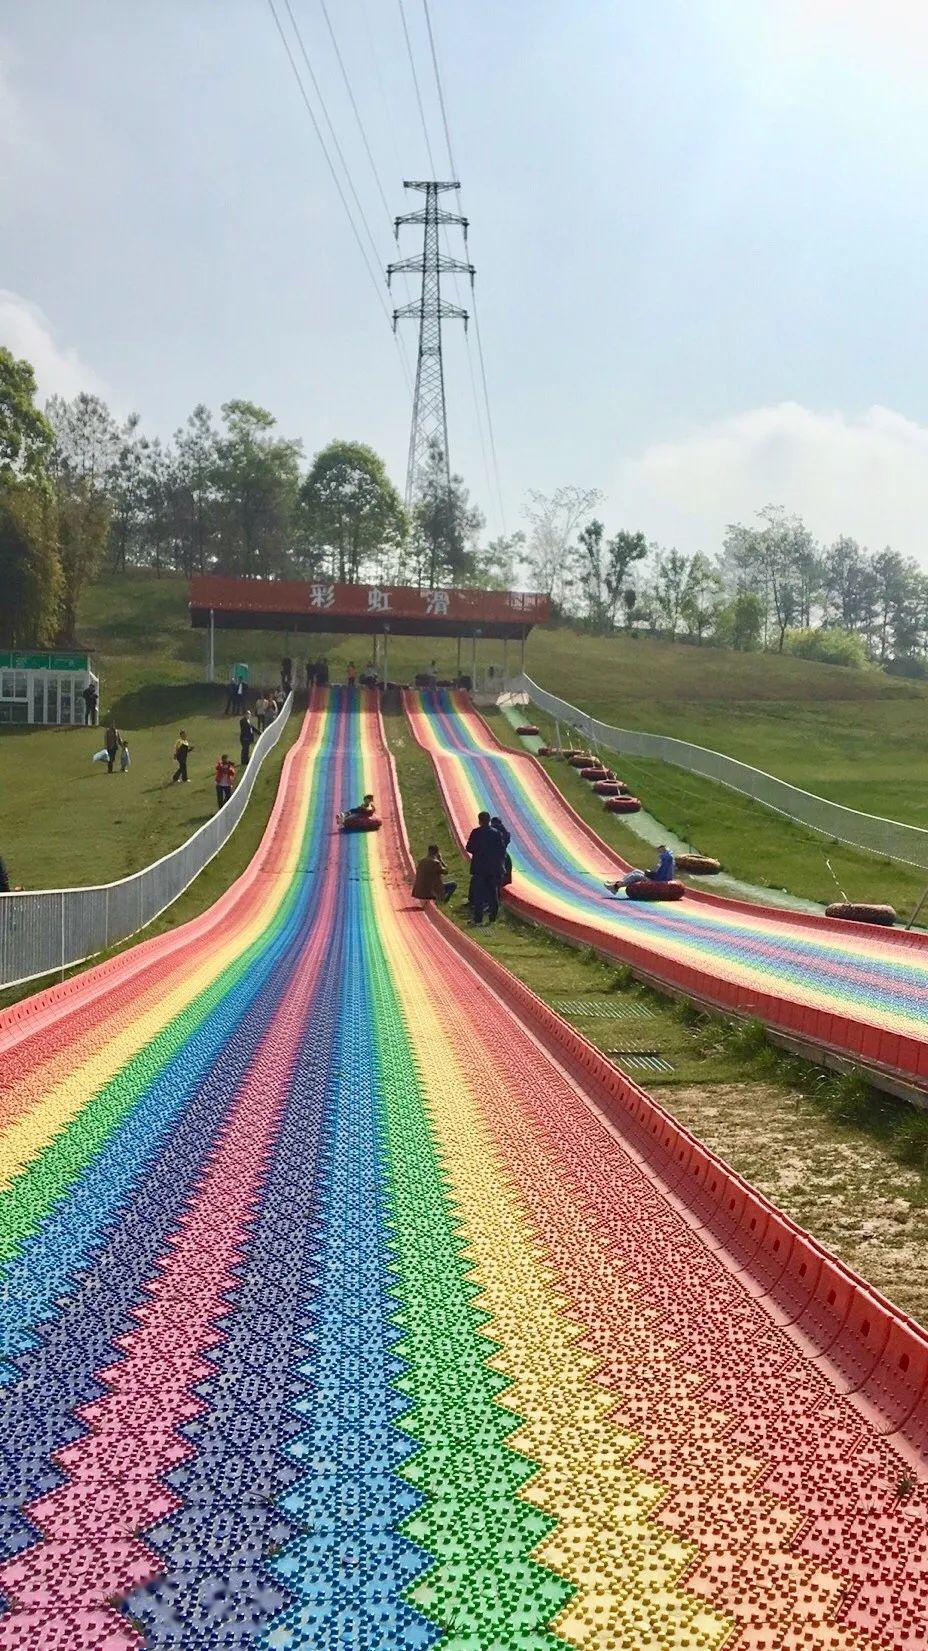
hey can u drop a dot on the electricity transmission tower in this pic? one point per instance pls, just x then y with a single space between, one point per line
429 418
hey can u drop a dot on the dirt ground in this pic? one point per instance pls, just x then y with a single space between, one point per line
845 1190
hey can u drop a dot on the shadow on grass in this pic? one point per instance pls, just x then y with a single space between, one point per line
167 702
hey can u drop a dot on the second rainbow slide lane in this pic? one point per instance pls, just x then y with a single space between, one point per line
858 989
335 1313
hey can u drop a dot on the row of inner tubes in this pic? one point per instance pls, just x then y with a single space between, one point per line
617 800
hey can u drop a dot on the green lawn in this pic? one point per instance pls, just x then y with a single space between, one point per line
216 877
751 841
859 737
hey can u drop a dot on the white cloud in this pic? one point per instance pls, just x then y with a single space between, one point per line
865 475
27 333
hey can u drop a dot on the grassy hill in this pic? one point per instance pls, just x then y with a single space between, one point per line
859 737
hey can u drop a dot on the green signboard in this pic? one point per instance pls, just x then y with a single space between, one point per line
43 662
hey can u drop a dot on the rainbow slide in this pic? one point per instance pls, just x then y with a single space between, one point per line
350 1299
849 987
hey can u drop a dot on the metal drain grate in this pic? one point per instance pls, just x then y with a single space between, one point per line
600 1008
640 1060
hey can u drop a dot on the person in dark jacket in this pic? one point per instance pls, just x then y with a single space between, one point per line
506 874
112 741
182 751
247 737
487 864
89 697
430 877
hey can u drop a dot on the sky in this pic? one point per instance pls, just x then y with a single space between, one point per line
698 228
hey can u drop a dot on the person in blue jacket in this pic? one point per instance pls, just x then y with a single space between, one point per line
663 872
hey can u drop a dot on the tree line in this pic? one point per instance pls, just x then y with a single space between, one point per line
82 492
771 585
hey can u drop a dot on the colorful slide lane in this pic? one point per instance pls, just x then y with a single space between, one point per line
852 988
346 1303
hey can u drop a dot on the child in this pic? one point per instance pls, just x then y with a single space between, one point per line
365 809
124 757
225 778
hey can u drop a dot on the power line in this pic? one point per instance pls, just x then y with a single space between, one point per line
328 120
415 81
483 367
334 175
441 95
357 113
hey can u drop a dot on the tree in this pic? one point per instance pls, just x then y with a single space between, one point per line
622 552
354 515
553 520
83 526
669 587
778 561
127 497
739 623
591 573
26 437
445 526
702 594
87 439
257 481
30 572
496 567
195 466
890 581
843 571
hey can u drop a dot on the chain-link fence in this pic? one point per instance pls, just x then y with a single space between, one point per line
42 930
889 838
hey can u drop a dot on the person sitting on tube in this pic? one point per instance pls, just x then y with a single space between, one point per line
663 872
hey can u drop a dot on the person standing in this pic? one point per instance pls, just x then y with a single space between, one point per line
231 693
181 752
286 674
225 779
506 873
246 735
351 675
487 860
90 705
112 741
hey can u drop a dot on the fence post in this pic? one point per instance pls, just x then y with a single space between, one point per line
62 933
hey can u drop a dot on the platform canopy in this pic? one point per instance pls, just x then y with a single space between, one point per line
362 610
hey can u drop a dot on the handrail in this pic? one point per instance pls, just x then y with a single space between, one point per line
43 930
873 833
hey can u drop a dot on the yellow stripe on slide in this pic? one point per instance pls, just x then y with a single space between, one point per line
602 1504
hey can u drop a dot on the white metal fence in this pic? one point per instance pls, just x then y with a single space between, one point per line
890 838
42 930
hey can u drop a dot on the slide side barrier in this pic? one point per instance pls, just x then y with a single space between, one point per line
40 1010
